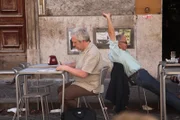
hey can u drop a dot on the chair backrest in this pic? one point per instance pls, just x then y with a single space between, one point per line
20 79
24 65
16 69
103 74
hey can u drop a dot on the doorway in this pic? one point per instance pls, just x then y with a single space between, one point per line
171 26
12 33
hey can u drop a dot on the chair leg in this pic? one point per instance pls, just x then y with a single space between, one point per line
85 102
103 108
139 95
14 116
145 99
78 102
20 102
26 99
47 107
37 90
26 107
37 101
49 89
42 107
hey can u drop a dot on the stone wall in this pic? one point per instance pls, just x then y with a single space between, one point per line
149 42
65 14
89 7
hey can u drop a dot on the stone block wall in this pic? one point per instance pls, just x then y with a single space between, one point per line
89 7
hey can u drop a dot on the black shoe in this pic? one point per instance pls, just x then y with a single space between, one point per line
1 110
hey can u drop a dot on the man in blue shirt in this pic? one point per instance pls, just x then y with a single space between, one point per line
118 53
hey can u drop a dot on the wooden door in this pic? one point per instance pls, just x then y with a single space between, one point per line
12 33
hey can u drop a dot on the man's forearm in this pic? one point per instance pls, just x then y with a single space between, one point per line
73 71
111 30
77 72
72 64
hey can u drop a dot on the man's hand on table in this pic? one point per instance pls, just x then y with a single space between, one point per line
62 68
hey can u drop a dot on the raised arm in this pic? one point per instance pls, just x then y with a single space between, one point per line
111 30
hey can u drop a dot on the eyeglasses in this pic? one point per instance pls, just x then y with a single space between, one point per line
125 42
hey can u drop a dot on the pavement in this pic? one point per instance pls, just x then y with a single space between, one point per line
8 100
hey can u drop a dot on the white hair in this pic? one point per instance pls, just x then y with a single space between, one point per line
80 34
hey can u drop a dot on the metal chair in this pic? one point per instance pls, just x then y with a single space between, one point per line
103 73
144 94
46 87
25 96
42 96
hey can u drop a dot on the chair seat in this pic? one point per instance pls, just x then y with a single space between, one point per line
36 95
43 85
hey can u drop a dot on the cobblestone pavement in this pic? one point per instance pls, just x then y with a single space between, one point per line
53 116
7 100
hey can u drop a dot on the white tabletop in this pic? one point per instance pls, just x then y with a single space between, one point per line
43 65
40 71
166 69
172 71
166 64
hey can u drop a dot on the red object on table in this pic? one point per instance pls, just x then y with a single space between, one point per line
52 60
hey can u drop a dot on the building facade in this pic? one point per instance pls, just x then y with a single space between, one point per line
48 23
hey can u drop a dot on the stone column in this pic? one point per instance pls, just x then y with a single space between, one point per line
32 30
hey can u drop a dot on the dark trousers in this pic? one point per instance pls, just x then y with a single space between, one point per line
72 92
148 82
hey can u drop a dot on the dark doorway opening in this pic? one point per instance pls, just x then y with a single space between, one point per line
171 28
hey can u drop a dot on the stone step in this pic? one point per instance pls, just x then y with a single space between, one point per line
6 75
6 72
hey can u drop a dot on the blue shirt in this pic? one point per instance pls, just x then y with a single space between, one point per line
131 65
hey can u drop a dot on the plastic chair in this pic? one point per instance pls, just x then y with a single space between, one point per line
103 73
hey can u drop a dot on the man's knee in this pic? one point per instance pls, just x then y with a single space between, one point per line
66 85
66 96
69 96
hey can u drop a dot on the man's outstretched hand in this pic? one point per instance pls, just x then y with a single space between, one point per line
107 15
